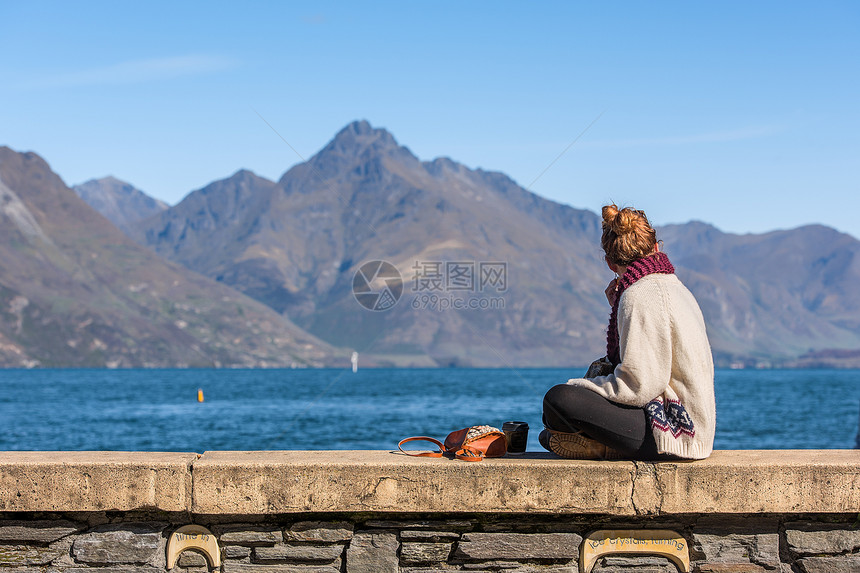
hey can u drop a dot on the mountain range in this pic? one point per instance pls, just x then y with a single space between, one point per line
785 298
296 245
76 291
526 274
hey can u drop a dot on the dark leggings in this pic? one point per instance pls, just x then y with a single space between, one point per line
569 408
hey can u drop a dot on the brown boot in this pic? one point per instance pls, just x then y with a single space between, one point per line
576 446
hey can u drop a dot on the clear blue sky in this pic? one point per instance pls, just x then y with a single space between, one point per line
742 114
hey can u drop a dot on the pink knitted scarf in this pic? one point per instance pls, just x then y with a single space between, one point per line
656 263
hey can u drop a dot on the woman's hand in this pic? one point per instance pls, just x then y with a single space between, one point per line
612 291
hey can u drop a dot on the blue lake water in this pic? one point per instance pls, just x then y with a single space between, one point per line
157 410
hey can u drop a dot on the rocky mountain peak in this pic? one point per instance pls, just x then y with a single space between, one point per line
120 202
244 174
442 164
239 187
359 141
362 132
245 177
26 169
121 185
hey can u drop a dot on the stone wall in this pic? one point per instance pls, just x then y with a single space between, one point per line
104 543
379 512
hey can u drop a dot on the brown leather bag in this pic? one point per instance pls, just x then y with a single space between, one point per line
471 444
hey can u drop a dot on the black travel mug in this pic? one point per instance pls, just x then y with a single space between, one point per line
516 436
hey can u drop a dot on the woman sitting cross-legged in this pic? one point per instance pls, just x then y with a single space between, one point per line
652 397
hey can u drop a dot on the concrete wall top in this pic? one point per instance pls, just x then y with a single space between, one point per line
259 483
95 481
819 481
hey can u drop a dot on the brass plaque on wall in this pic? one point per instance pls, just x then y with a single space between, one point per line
661 542
193 537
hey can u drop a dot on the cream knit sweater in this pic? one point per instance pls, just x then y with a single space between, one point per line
665 360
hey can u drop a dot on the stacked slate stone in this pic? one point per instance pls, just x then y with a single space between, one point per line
367 544
305 546
65 546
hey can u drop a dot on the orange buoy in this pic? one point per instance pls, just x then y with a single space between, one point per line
200 394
